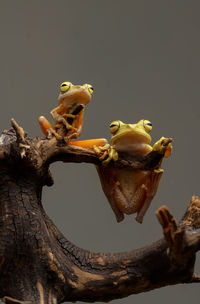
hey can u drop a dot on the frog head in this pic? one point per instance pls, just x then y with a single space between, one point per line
74 94
123 133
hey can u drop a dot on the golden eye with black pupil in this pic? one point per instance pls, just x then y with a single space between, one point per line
114 126
147 125
90 88
65 86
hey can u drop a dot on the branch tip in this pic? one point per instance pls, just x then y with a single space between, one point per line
20 133
173 234
165 218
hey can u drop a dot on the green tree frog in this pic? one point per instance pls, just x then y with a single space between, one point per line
69 113
129 190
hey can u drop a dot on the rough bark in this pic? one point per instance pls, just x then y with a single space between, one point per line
39 265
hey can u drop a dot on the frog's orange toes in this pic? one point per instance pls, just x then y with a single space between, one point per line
47 128
103 156
89 143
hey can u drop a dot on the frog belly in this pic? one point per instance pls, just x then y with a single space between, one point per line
123 189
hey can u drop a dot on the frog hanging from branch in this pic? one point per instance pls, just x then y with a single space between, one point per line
129 190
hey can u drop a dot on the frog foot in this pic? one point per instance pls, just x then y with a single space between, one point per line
72 136
69 127
51 132
163 146
108 151
99 149
63 121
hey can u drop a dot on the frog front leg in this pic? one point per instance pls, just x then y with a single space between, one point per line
77 124
163 146
62 118
109 153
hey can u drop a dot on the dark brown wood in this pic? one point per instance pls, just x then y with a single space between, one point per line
39 265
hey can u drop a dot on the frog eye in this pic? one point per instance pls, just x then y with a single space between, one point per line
90 88
64 87
114 126
147 125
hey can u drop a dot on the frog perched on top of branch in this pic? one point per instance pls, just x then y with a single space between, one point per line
69 113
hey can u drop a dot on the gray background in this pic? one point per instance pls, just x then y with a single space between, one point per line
143 59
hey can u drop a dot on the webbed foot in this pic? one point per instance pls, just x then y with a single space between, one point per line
163 146
108 152
50 132
71 136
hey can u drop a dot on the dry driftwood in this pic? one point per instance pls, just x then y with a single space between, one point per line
39 265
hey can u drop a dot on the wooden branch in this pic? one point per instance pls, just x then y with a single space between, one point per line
20 133
39 265
59 151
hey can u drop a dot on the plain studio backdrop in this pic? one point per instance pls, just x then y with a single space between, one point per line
143 59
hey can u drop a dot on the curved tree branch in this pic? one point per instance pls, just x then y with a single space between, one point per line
58 151
60 271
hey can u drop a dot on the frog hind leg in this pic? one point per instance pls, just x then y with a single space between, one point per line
47 128
106 178
118 212
150 189
89 143
129 205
